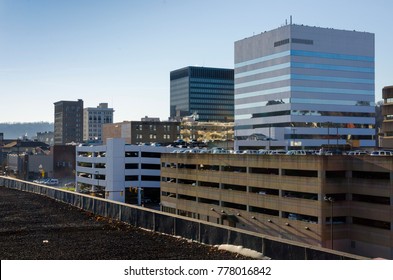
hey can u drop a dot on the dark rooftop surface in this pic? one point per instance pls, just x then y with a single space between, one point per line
36 227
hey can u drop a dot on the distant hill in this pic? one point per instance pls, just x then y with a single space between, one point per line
18 130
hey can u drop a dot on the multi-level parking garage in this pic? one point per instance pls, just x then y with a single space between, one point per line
344 202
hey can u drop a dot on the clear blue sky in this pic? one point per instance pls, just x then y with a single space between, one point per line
121 51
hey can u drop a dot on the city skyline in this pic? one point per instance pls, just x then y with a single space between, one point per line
122 53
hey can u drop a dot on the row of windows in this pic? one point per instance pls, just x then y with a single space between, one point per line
100 113
202 72
95 130
216 106
213 81
204 114
307 124
281 42
305 101
294 41
335 56
211 86
143 178
212 91
217 117
312 113
105 120
209 101
153 127
153 136
302 41
72 108
332 136
315 90
305 78
143 166
215 97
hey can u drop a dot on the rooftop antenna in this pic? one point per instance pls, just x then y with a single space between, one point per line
290 20
286 22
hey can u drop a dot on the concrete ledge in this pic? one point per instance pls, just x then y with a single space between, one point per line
201 231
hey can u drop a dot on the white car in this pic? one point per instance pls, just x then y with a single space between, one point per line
381 153
250 152
357 153
296 153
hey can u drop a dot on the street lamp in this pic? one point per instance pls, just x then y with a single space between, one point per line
330 200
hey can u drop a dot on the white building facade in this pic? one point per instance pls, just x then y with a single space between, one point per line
93 119
305 87
114 168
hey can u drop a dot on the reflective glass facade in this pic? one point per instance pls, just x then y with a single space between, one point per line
209 92
306 81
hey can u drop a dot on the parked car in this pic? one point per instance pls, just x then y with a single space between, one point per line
263 152
250 152
381 153
277 152
52 182
292 216
357 153
296 153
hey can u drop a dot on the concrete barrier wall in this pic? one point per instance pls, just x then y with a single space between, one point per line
201 231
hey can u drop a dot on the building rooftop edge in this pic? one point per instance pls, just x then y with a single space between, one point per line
304 25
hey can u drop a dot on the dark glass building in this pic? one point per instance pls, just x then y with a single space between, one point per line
207 92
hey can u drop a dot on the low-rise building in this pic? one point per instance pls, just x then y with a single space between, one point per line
147 130
64 162
47 137
339 202
220 133
386 139
22 158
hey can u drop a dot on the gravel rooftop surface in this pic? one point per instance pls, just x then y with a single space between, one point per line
34 227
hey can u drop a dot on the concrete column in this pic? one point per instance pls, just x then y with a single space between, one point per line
322 174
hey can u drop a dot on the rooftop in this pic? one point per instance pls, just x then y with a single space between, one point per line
37 227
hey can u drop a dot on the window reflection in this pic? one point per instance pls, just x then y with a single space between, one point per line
310 125
313 113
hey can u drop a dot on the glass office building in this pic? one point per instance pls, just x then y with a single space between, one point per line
207 92
305 87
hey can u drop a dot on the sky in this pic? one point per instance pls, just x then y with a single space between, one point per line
121 52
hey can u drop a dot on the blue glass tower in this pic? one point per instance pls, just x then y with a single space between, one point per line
209 92
306 87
